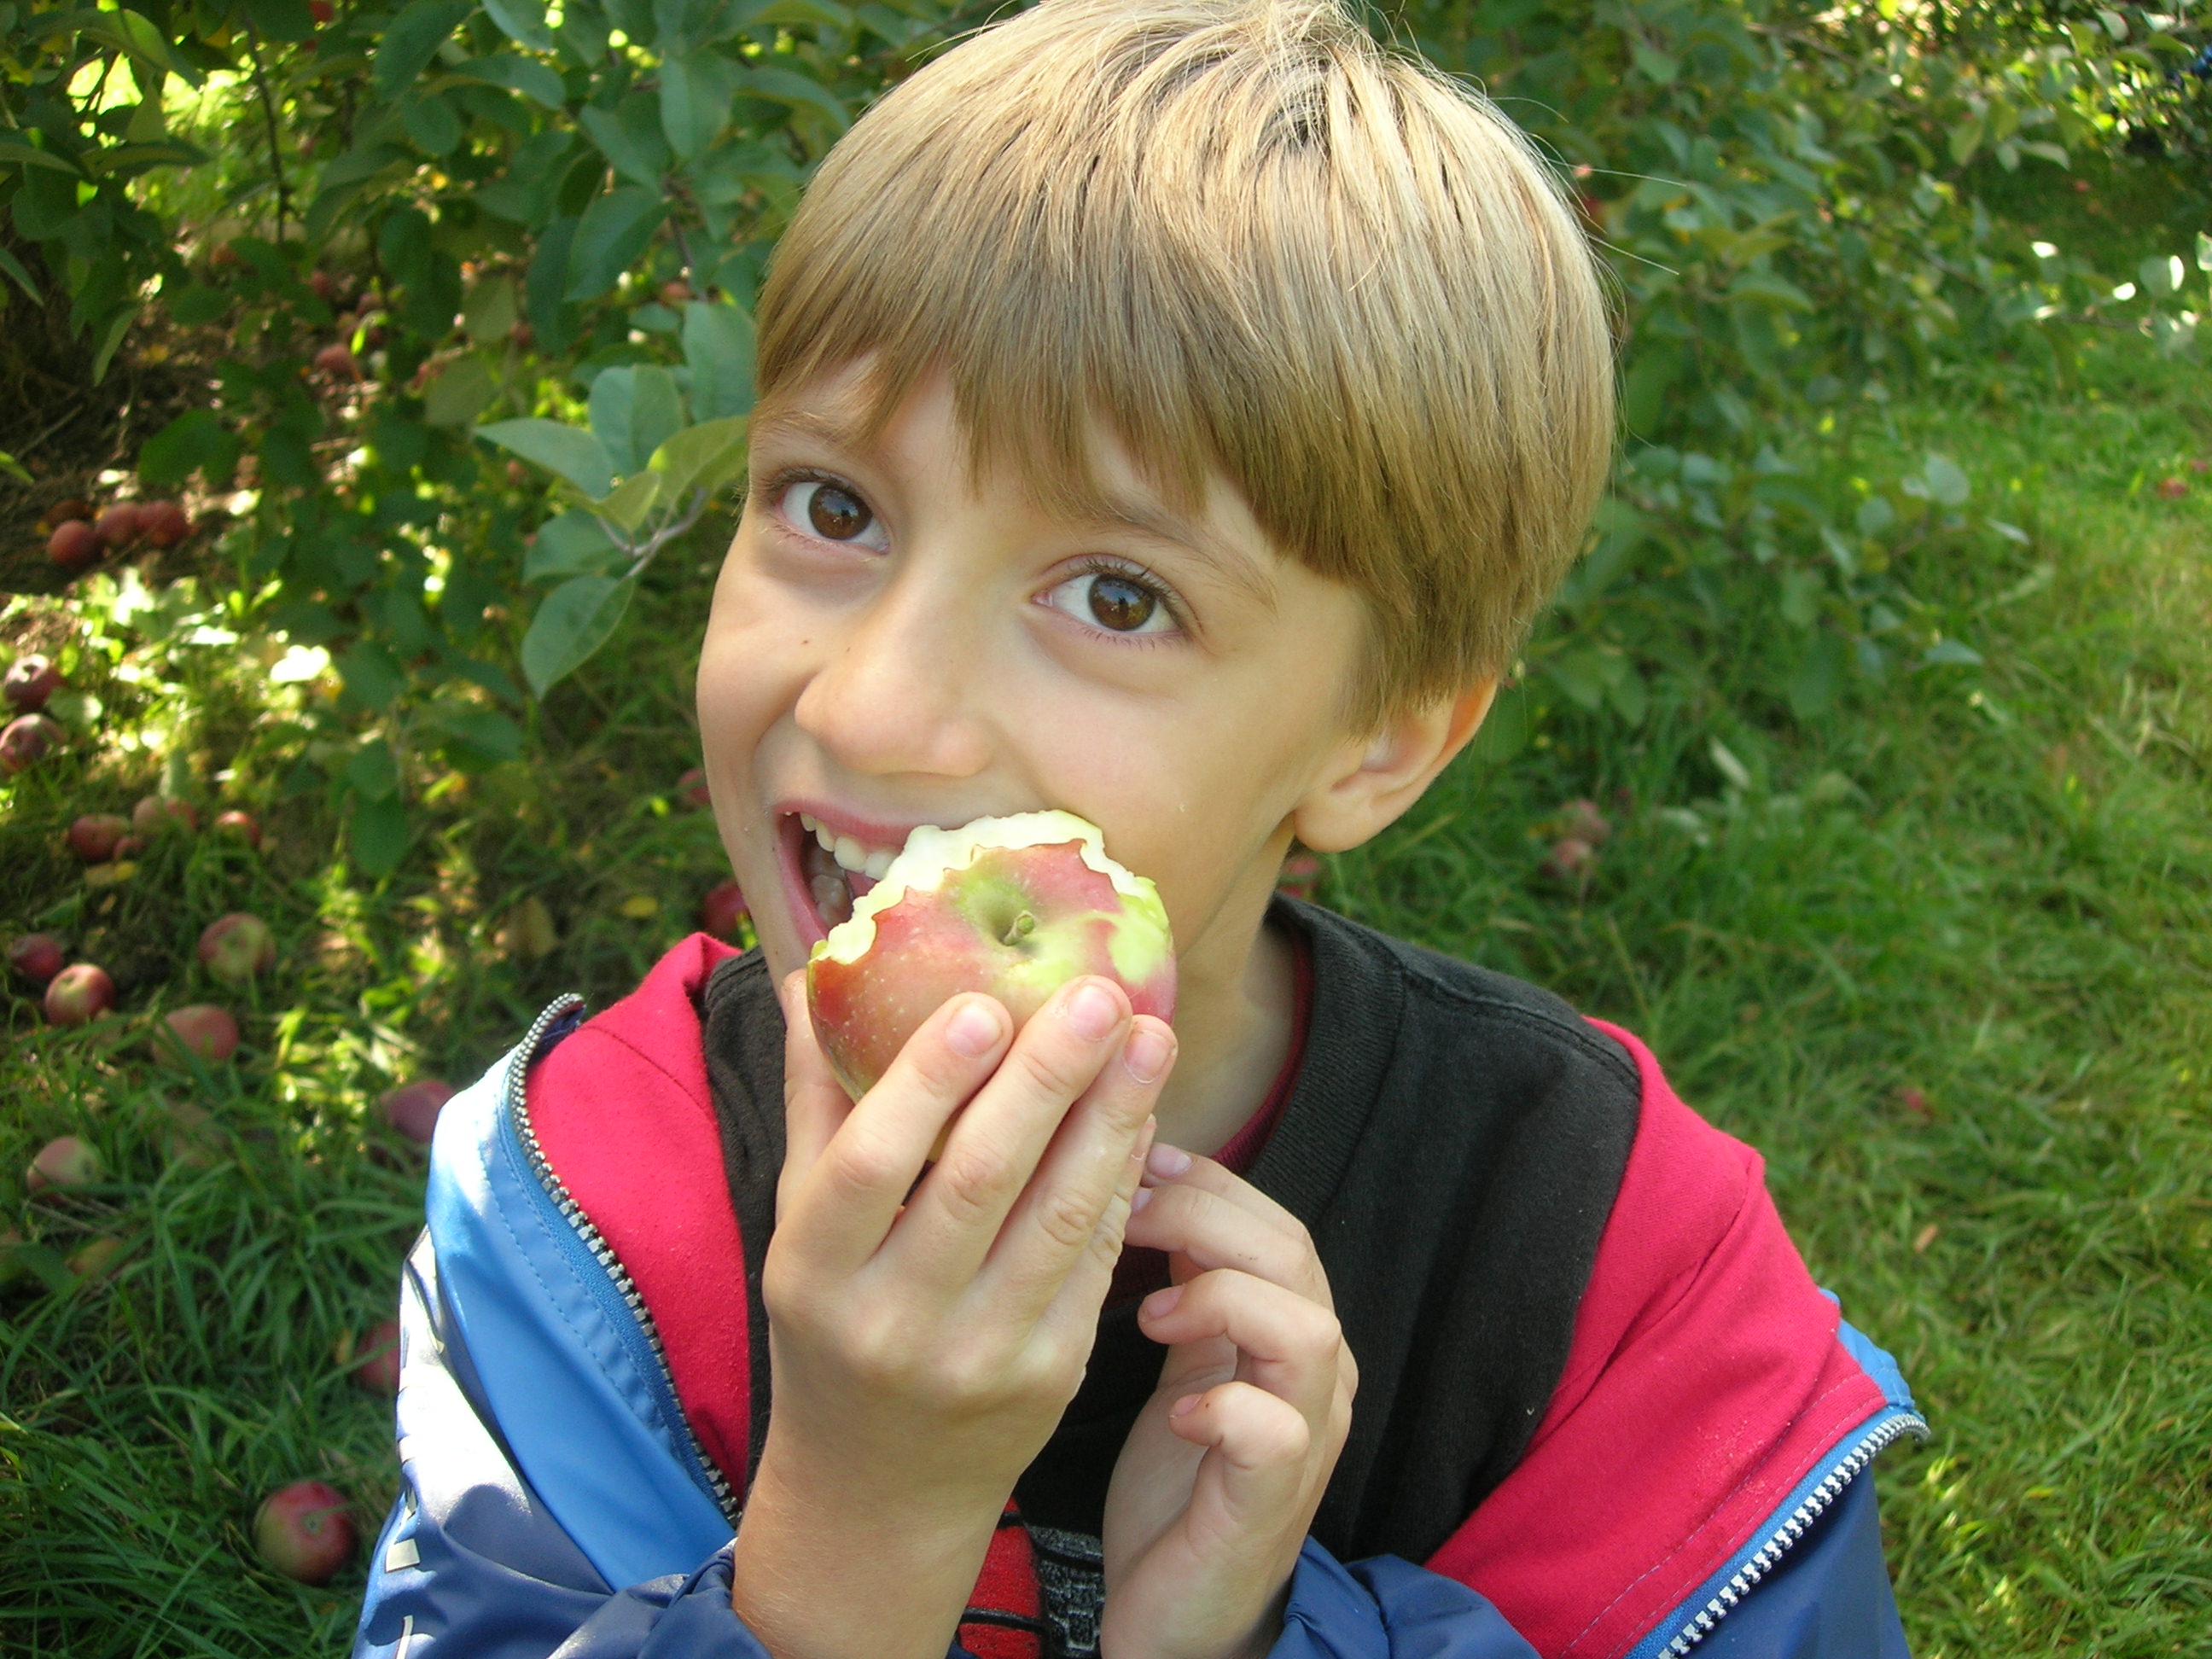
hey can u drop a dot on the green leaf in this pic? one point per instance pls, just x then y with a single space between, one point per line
282 20
614 231
487 735
30 155
1581 674
464 391
570 451
703 457
819 14
380 835
522 22
630 502
432 123
1955 652
1766 285
695 100
17 269
634 412
413 39
128 33
372 772
547 279
718 347
1658 67
536 81
1946 482
372 676
111 339
1819 676
196 441
491 311
572 545
784 87
576 619
629 137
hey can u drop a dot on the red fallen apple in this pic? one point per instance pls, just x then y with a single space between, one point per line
96 1258
70 506
1570 859
1582 820
322 11
722 910
130 846
80 992
94 837
2199 465
2173 489
236 947
338 362
26 741
1299 876
73 545
118 525
35 955
31 680
198 1028
303 1531
64 1161
163 523
692 786
239 826
378 1368
154 814
324 285
413 1108
1014 907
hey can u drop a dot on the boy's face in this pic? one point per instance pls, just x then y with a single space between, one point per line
887 649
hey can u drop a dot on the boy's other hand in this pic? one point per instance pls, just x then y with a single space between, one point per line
1219 1478
927 1329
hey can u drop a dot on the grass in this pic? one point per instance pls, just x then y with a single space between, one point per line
1943 954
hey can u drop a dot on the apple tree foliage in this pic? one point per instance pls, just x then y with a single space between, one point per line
440 255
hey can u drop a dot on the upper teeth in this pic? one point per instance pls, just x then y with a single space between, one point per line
848 853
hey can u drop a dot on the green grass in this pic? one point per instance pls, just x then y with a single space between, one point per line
1947 960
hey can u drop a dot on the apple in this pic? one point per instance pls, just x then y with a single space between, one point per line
95 836
324 285
70 506
323 12
516 474
26 741
1582 820
35 955
31 680
154 814
337 360
303 1531
675 291
236 947
692 786
96 1258
239 826
413 1108
2173 489
1569 859
73 545
378 1368
198 1028
1015 907
164 523
118 525
1299 876
80 993
64 1161
722 910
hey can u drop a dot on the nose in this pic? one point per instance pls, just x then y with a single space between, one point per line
903 690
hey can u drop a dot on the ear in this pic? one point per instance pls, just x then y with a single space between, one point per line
1370 781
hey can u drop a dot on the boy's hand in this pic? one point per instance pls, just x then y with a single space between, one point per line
925 1338
1220 1476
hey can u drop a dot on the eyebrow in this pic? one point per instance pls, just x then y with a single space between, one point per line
1104 509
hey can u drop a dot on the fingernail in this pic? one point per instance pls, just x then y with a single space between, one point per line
1138 1199
1184 1406
974 1031
1167 1161
1147 1053
1160 1303
1091 1013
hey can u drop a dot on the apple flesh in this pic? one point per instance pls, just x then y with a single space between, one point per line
78 993
236 947
31 680
413 1108
199 1029
1013 907
303 1531
35 955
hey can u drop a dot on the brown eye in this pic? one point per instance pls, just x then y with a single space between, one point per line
837 514
1119 604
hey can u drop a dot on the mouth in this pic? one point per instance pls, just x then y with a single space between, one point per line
824 872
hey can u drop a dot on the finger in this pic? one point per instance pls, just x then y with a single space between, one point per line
1073 1314
846 1203
1258 1477
1172 1165
1289 1346
954 1217
814 1103
1214 1228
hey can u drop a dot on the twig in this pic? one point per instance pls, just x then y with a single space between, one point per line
269 113
642 557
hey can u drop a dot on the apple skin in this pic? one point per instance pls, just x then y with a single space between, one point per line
31 680
200 1028
236 947
721 909
164 523
378 1370
73 544
118 525
1569 859
239 826
154 814
79 994
303 1531
64 1161
25 742
413 1108
941 920
338 362
95 836
36 956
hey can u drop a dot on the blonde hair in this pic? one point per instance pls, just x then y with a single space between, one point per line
1246 238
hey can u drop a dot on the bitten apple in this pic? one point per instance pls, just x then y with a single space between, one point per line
30 681
1014 907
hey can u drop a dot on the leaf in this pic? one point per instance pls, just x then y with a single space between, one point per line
1581 675
1724 760
1819 676
522 22
413 39
718 347
1946 481
491 312
17 269
372 675
111 339
1659 67
695 100
783 87
634 412
536 81
570 451
460 394
372 772
703 457
129 32
613 232
572 545
432 123
30 155
196 441
629 137
1955 652
543 286
631 501
575 620
821 13
488 735
380 835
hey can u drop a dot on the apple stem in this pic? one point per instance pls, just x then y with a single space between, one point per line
1019 929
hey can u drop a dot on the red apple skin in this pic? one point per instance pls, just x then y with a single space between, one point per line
25 742
63 1161
200 1028
303 1532
70 506
927 950
239 826
692 786
163 523
154 814
378 1370
31 680
73 545
1582 820
118 525
338 362
95 836
722 910
36 956
413 1108
1570 859
236 947
80 993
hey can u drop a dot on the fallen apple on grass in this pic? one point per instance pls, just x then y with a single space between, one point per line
413 1108
1569 860
96 1258
200 1030
26 741
35 955
1013 907
236 947
303 1532
721 909
62 1163
31 680
79 994
238 826
163 523
73 544
154 814
118 525
377 1368
95 836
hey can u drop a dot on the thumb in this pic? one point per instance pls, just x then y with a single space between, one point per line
814 1103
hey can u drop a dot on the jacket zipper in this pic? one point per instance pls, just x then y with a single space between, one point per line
518 1105
1786 1536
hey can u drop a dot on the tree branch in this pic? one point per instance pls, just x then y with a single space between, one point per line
269 114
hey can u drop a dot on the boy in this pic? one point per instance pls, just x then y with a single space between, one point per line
1173 411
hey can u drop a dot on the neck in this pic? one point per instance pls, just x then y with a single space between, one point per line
1232 1033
